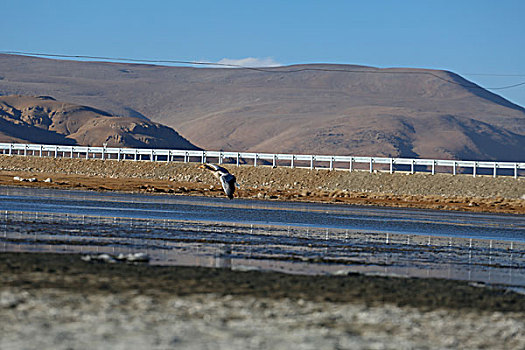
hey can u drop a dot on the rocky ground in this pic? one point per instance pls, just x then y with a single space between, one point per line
440 191
61 302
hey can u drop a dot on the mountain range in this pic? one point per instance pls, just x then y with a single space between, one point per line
306 109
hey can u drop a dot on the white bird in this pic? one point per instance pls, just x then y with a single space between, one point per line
227 179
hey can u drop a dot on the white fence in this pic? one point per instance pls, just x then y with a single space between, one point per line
350 163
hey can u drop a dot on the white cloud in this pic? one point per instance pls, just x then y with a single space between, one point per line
251 62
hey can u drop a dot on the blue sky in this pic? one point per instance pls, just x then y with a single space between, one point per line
463 36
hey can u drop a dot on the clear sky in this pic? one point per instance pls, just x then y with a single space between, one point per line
469 37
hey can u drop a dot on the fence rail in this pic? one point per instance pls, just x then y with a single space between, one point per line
349 163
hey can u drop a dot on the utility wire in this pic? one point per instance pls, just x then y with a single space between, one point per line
495 75
269 70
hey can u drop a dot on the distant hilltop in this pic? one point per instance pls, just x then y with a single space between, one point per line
42 119
316 109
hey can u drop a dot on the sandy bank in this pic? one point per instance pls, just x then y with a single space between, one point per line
441 191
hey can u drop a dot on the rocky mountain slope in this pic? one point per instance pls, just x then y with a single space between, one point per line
312 109
44 120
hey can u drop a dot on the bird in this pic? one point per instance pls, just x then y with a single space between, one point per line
227 179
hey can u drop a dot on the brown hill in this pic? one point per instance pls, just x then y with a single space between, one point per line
44 120
366 111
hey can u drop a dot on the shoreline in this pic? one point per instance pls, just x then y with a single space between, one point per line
68 272
59 301
439 192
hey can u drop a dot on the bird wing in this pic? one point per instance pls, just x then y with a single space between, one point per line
218 168
228 184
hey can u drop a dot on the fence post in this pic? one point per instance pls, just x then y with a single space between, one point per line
55 151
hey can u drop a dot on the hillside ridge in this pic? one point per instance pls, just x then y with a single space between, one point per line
363 113
43 119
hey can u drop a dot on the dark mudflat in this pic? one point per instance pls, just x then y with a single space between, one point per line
70 273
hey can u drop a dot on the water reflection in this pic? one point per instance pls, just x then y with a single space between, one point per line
301 250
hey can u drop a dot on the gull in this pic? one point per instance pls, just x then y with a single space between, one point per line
227 179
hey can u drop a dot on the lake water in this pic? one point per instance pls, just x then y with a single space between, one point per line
268 235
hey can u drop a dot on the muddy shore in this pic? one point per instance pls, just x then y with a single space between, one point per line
440 191
60 301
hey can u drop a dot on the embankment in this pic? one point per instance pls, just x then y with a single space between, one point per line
441 191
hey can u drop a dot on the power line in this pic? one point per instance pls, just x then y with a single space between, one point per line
269 70
495 74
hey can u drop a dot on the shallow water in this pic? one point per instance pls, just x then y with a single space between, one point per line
370 219
291 237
